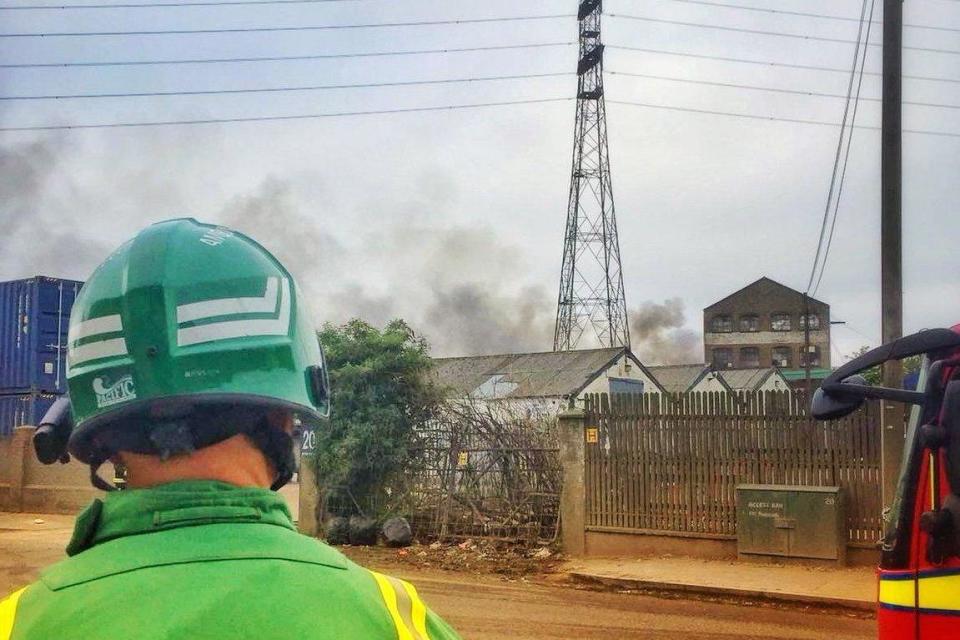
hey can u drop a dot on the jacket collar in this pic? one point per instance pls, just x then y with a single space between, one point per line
178 504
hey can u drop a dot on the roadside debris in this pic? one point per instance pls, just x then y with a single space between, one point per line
470 556
397 532
363 531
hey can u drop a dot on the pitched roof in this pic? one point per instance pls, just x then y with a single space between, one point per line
526 375
746 379
679 378
757 282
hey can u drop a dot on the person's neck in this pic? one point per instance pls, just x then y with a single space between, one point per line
236 461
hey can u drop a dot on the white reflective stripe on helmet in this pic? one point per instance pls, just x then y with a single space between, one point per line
95 327
103 348
267 303
95 350
241 327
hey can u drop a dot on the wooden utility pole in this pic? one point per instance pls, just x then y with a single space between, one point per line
891 249
806 346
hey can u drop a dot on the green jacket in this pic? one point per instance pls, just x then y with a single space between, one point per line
197 560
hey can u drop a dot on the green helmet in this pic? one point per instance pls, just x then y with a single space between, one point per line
188 334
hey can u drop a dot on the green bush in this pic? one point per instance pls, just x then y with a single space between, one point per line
381 391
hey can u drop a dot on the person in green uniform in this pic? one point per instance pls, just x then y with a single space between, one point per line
190 360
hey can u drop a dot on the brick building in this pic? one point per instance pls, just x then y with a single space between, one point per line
762 325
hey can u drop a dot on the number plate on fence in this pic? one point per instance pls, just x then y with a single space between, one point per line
593 435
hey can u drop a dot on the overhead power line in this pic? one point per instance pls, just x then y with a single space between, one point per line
846 157
309 116
765 63
319 27
762 32
321 87
819 264
321 56
751 116
753 87
126 5
370 54
803 14
116 125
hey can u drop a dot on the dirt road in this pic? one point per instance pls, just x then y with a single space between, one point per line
489 608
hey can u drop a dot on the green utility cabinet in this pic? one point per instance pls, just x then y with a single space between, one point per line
791 521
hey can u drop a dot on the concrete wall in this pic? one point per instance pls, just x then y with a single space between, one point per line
27 485
308 520
610 544
631 545
573 499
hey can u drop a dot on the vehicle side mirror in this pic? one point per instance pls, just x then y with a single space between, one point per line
833 404
53 432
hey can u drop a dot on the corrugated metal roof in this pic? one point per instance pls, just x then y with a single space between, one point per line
746 379
678 378
523 375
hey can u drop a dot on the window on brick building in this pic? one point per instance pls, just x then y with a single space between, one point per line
749 323
721 324
750 357
782 357
780 322
722 358
813 355
813 320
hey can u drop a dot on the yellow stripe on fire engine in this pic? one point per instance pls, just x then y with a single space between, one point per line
936 592
898 593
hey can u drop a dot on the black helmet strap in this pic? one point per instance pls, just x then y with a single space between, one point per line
192 428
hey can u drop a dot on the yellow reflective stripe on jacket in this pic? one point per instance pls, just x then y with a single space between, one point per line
8 613
407 611
936 592
419 609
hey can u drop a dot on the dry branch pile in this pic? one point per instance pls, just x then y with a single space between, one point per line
488 470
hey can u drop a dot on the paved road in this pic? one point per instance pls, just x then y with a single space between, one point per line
487 608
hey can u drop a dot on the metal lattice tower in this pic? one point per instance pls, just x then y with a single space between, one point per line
591 281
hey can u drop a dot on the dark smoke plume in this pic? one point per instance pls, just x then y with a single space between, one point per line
659 337
468 319
450 284
36 240
463 287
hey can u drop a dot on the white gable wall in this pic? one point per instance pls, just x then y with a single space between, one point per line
710 382
775 382
623 368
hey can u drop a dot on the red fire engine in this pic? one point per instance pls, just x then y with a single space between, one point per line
919 575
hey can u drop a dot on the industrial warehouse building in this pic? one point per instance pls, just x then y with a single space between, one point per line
686 378
767 324
546 381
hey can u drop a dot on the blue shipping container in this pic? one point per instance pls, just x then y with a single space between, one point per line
34 318
26 409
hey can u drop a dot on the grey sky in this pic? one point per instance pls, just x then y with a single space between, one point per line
455 219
